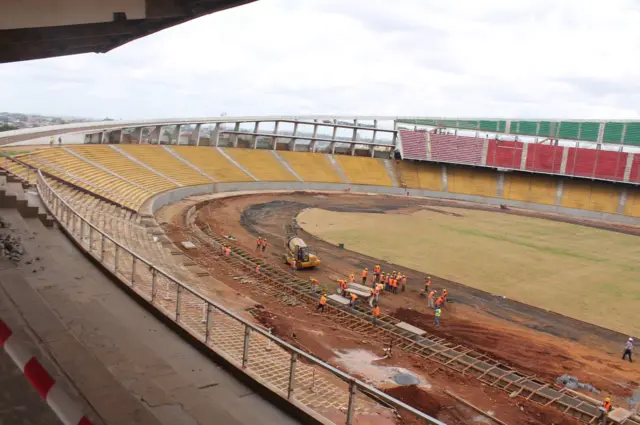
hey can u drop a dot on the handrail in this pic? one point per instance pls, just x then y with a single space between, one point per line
48 194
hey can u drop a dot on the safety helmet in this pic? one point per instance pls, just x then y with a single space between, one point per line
608 399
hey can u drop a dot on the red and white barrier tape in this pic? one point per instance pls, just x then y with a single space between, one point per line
62 405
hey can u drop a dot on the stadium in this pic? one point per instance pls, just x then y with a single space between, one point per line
529 224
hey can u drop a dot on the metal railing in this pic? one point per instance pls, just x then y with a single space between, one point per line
180 301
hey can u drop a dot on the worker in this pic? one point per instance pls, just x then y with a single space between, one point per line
376 273
605 409
227 251
375 313
380 288
314 284
375 292
258 269
258 243
387 278
439 302
394 285
343 287
444 297
352 278
321 303
60 141
264 245
365 272
628 349
436 316
294 265
427 284
354 297
430 302
51 140
403 283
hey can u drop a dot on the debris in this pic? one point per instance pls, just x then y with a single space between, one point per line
11 247
231 238
574 383
188 245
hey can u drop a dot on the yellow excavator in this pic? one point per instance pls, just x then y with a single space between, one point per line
298 250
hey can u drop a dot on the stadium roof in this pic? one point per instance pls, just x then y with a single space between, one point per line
39 29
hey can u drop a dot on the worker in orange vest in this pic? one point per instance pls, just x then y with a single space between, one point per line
352 278
258 269
376 273
321 304
227 251
605 409
264 245
258 243
314 284
375 313
427 284
354 297
394 285
439 302
343 287
365 272
430 303
444 297
403 283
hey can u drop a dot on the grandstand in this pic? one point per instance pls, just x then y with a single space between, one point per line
105 196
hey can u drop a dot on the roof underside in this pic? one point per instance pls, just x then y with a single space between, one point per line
44 41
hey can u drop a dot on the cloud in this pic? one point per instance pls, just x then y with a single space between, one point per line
542 58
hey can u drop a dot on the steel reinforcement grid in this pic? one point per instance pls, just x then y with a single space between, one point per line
454 356
310 384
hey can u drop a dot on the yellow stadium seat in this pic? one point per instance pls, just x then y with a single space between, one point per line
361 170
312 167
212 163
165 163
261 163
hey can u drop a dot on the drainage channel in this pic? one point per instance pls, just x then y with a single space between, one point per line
275 281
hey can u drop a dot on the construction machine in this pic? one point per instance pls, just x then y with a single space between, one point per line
297 249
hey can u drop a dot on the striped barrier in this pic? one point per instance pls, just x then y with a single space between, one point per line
65 408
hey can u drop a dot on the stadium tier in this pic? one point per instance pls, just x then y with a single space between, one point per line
130 175
590 162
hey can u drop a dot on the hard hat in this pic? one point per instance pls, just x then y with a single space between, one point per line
366 268
607 399
630 339
325 295
444 290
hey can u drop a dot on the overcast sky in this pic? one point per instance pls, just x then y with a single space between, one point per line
525 58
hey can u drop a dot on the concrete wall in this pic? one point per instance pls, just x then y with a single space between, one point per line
157 202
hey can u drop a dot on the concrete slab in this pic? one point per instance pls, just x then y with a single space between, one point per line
339 299
410 328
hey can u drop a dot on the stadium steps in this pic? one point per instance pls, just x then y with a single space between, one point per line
261 164
361 170
212 163
119 164
312 167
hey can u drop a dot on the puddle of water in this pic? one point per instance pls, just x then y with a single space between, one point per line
362 362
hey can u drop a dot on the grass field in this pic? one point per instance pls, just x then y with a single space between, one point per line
585 273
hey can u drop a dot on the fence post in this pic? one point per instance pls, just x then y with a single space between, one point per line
153 284
292 374
115 261
352 401
133 270
245 349
102 247
178 297
207 333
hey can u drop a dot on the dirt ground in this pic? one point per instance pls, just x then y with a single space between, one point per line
530 339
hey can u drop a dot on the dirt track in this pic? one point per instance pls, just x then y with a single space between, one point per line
528 338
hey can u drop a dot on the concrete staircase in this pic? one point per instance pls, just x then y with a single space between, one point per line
13 195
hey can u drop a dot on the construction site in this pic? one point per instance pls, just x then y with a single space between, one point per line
522 364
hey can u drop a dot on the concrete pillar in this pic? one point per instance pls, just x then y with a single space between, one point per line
155 134
335 132
355 131
624 133
500 188
563 164
353 149
103 137
275 137
559 190
332 147
236 128
312 146
194 139
507 128
622 201
627 168
372 151
445 178
136 134
215 135
176 134
256 130
375 131
601 133
523 160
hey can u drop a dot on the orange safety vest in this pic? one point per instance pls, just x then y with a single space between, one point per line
376 269
439 301
431 294
265 243
259 241
257 269
352 278
606 406
394 283
444 296
323 300
314 282
227 251
353 297
427 284
364 273
376 311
